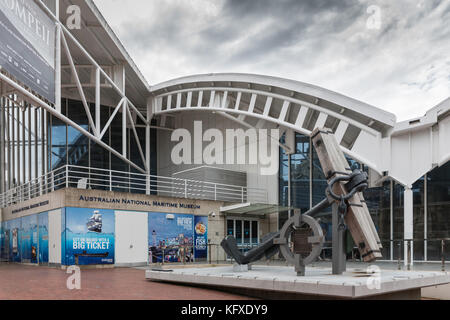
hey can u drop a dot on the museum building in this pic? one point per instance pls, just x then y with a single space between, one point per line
87 174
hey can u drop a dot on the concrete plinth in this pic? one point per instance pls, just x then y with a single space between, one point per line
278 282
241 267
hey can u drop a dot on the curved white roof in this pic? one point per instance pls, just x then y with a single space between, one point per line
363 109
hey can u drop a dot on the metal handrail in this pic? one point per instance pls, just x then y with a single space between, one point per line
114 180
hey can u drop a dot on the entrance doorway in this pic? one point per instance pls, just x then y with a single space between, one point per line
245 231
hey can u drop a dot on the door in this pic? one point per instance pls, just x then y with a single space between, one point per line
54 237
131 232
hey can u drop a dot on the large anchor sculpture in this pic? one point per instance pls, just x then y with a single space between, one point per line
301 239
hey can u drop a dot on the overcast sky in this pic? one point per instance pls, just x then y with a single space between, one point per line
400 62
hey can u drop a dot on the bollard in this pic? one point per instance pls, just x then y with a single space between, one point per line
443 254
209 244
408 252
399 255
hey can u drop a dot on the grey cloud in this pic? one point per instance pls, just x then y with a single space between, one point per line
322 42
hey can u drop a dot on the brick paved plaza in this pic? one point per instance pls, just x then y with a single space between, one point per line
32 282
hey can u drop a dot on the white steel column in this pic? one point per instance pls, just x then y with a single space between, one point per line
23 141
13 144
425 217
97 100
124 129
58 63
408 224
2 142
30 139
8 144
36 144
391 218
150 103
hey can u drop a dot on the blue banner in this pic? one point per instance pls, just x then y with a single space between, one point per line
14 240
170 237
201 237
43 237
29 239
88 236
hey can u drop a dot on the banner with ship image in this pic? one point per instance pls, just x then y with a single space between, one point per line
88 236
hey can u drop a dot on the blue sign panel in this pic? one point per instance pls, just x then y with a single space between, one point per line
29 239
88 236
201 237
170 237
14 240
43 237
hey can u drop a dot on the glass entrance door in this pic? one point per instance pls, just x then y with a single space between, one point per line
245 231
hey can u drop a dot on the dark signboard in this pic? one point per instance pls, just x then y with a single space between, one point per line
27 45
201 237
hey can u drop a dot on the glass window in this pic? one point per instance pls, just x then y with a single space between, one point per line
300 172
99 156
398 202
230 227
378 201
255 232
238 232
418 219
284 176
58 150
247 232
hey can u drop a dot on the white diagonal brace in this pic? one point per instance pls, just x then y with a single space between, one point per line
111 118
63 118
139 114
245 124
78 83
97 100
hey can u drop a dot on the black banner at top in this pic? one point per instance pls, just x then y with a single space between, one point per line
27 45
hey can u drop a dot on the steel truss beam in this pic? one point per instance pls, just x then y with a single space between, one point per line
63 118
62 37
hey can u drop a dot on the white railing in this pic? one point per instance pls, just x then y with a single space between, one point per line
70 176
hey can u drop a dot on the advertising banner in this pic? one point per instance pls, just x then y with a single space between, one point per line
29 239
14 252
27 45
43 237
88 236
201 237
170 237
4 242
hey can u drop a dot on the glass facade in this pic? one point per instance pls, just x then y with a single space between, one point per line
68 146
378 201
24 133
245 232
431 203
438 210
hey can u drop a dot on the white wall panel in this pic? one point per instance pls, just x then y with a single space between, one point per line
131 238
254 178
54 236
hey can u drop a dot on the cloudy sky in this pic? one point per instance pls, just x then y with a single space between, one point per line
392 54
